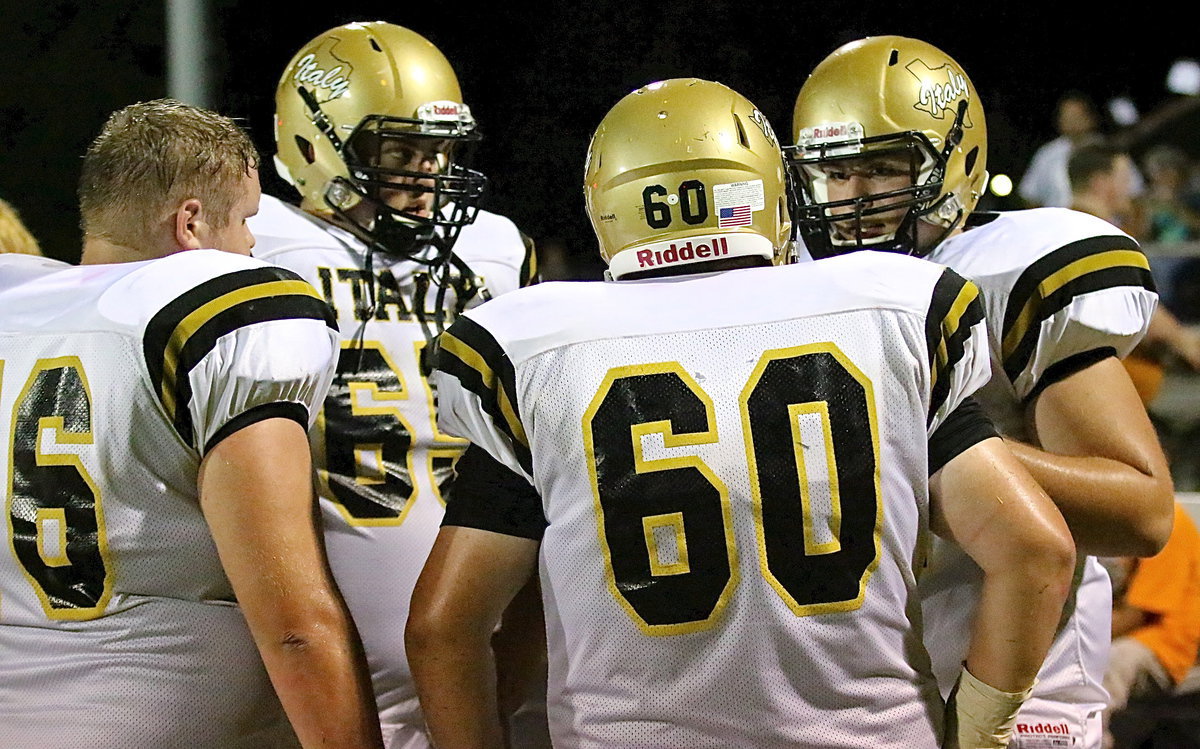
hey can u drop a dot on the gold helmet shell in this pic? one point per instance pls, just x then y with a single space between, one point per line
881 94
352 87
684 171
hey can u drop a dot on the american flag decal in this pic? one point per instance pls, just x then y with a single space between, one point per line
735 216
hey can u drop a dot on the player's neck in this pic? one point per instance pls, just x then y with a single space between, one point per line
1095 206
930 236
101 251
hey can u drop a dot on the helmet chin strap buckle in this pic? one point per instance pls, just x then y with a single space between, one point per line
342 196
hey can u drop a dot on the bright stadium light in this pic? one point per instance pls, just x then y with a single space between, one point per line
1001 185
1184 77
1123 111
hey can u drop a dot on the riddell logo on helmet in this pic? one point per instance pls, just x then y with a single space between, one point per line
445 110
830 132
683 253
1059 729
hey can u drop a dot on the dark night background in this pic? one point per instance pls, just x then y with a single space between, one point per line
539 77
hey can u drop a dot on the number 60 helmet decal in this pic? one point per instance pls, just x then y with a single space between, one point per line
683 171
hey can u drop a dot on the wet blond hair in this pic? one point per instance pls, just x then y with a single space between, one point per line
152 156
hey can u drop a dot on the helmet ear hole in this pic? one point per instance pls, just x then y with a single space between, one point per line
972 155
306 149
743 141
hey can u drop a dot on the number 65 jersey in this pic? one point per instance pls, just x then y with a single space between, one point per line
733 471
118 626
382 466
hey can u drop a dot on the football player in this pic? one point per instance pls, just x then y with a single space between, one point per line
159 515
725 475
891 154
372 131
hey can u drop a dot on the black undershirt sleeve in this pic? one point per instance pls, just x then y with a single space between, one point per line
297 412
490 496
966 426
1069 366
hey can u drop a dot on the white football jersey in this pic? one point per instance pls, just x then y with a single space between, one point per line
382 465
733 468
118 626
1062 289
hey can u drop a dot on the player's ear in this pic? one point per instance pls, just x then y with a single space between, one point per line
189 225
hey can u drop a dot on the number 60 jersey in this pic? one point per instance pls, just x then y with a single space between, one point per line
733 470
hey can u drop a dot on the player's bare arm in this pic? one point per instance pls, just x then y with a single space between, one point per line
984 501
1101 462
520 649
256 494
469 580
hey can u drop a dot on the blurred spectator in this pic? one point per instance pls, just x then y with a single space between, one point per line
14 237
1101 184
1101 181
1045 181
1169 215
1172 216
1156 619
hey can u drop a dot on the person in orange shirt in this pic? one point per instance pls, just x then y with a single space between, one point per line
1156 619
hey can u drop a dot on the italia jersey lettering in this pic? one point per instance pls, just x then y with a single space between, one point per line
383 466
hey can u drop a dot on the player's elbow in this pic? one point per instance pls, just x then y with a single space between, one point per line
421 631
1043 568
432 627
1150 528
303 632
1052 558
1041 552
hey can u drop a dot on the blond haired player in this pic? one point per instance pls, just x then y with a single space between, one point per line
162 580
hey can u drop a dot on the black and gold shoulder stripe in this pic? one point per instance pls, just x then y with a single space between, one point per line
529 269
470 353
183 332
1049 285
954 309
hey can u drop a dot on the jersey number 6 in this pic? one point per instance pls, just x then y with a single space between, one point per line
54 515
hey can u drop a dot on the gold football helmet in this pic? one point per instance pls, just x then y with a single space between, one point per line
879 98
366 107
685 171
